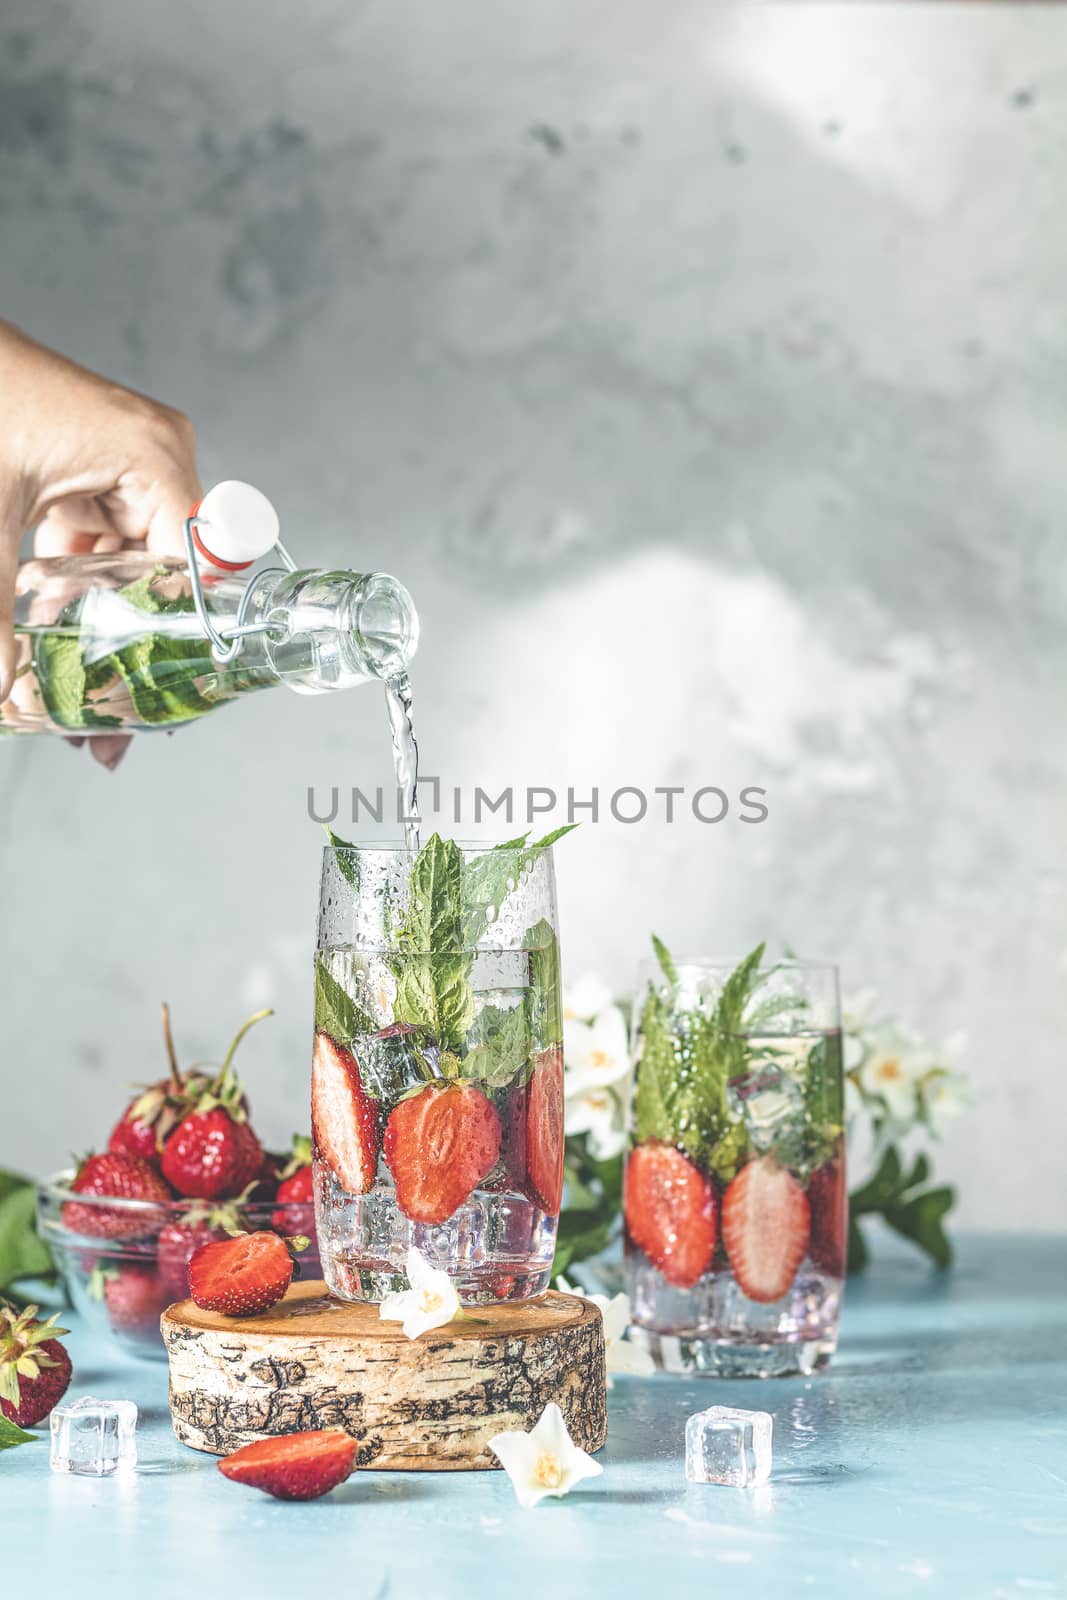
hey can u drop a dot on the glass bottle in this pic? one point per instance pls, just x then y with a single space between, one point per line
116 643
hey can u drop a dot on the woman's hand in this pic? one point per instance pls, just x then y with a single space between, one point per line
96 467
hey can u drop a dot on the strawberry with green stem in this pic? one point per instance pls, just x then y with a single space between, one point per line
35 1368
214 1154
150 1118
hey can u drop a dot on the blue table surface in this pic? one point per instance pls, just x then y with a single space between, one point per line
931 1459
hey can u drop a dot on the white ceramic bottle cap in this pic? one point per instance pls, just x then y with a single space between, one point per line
236 524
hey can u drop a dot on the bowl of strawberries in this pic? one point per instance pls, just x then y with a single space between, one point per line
183 1167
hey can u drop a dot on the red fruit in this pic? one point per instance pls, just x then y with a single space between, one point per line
509 1173
298 1193
119 1177
670 1212
829 1217
148 1120
34 1367
135 1297
211 1156
440 1144
241 1276
344 1118
766 1219
176 1246
294 1466
544 1131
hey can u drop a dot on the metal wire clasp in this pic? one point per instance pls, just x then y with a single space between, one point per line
226 642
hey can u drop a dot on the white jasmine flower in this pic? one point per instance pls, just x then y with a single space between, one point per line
597 1112
585 997
620 1354
545 1461
892 1071
598 1052
944 1096
429 1303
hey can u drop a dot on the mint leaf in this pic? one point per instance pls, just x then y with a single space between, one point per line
57 660
656 1073
501 1046
336 1013
347 865
433 960
12 1436
490 878
546 1011
666 961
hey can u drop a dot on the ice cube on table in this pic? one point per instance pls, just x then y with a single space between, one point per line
94 1437
727 1446
768 1101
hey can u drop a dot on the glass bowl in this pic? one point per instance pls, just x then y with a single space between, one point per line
123 1264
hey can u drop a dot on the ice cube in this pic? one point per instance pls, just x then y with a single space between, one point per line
727 1446
94 1437
769 1101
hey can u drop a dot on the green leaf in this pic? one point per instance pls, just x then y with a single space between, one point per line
336 1013
546 1010
433 960
11 1436
501 1047
736 992
858 1255
666 961
347 865
916 1214
22 1253
921 1219
489 878
57 660
656 1073
581 1234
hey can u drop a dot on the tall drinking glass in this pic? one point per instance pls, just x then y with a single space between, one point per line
437 1075
734 1199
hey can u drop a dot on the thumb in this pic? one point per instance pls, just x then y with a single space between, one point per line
10 539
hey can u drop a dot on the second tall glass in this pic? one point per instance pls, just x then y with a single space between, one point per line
437 1077
734 1200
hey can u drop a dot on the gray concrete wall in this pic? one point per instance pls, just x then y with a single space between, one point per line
701 370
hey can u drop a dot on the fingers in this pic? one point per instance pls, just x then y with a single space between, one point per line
10 538
109 748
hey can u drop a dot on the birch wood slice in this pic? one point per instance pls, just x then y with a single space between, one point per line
429 1404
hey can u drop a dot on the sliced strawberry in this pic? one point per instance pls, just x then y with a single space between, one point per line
670 1211
241 1276
828 1199
116 1177
766 1220
440 1144
294 1466
544 1131
344 1118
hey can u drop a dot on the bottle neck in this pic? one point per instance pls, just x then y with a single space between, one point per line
330 630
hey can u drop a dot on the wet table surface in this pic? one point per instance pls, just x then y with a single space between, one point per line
930 1460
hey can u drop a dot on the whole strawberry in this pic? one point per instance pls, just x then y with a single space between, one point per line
152 1115
34 1367
213 1154
116 1177
135 1297
296 1192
